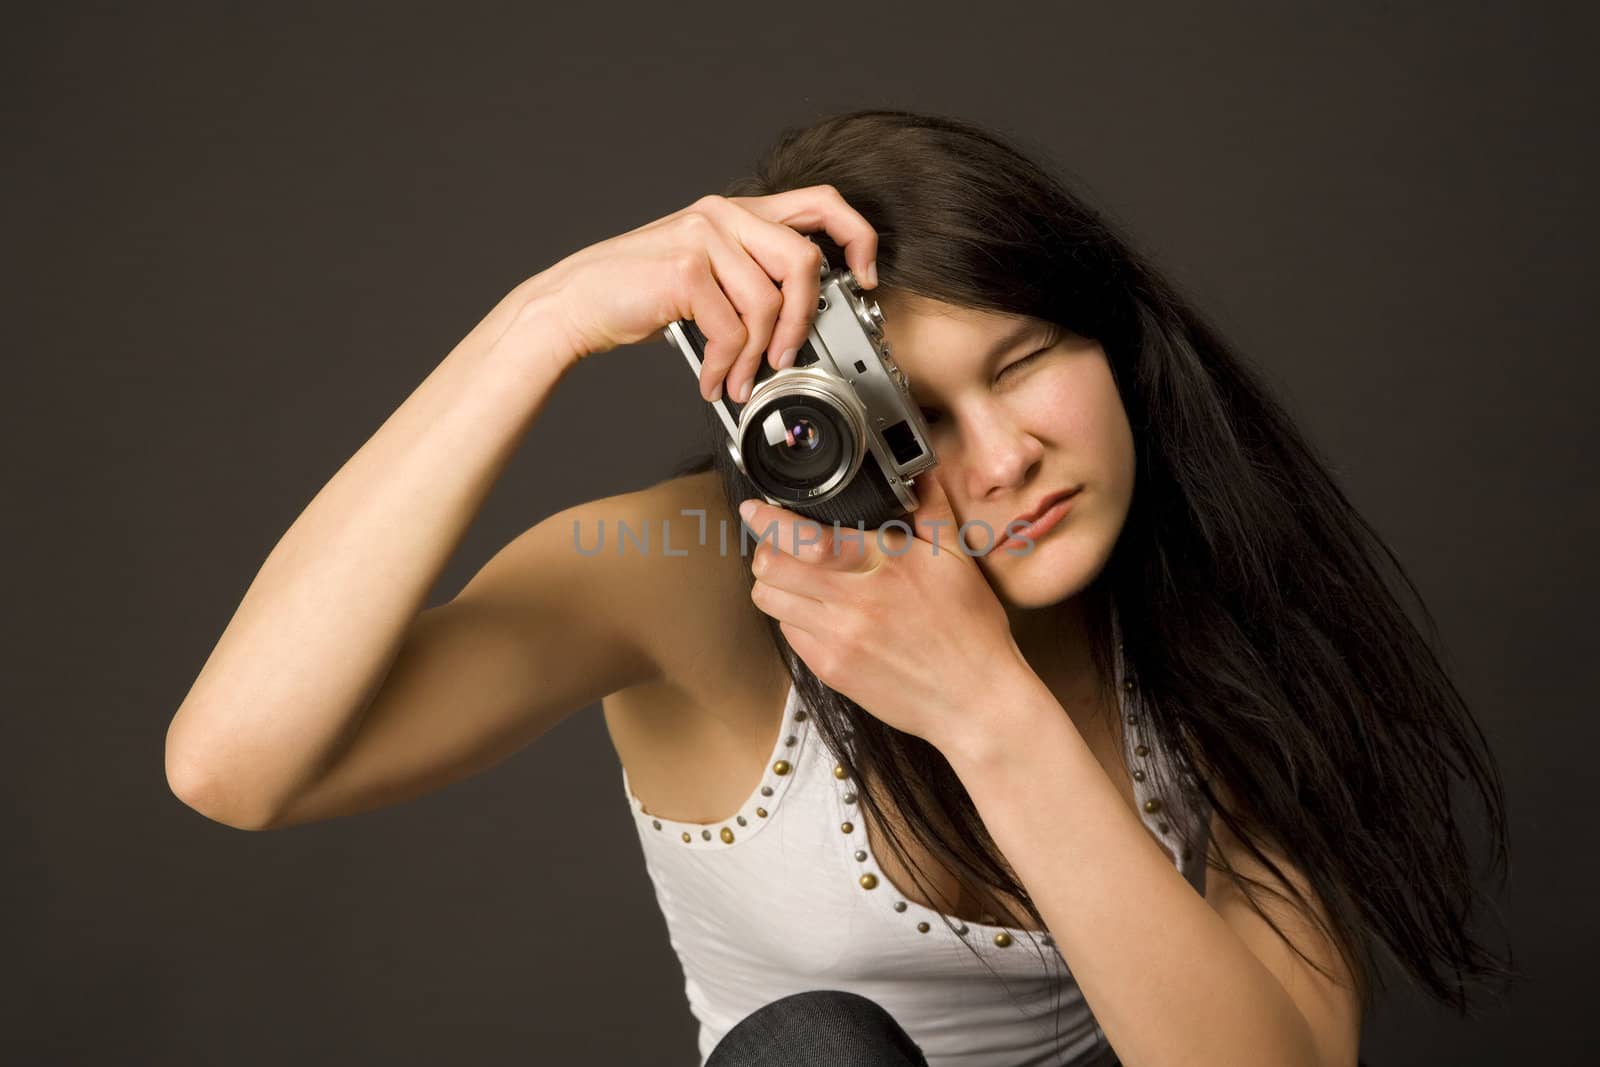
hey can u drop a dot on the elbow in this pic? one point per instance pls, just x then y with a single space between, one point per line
193 783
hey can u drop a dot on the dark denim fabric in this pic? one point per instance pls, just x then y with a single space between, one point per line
818 1028
826 1028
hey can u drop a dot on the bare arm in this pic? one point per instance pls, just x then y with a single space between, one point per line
540 631
322 622
330 690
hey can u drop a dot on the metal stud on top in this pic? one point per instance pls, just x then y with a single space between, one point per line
1151 805
869 880
781 768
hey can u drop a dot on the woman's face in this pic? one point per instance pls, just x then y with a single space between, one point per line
1017 418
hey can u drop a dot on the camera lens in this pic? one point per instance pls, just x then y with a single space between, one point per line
797 445
804 435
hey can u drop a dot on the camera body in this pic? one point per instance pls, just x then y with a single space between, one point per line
835 437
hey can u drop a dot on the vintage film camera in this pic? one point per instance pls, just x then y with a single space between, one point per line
835 437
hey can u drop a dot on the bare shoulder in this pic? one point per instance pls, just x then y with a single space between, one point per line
690 594
692 737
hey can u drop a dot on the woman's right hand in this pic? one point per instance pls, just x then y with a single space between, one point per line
720 262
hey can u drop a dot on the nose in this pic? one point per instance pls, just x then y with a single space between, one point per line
999 455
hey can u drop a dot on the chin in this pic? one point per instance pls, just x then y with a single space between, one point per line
1056 569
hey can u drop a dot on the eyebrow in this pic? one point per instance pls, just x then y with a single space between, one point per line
1026 330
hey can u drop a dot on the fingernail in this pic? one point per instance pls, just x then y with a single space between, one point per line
872 275
744 390
716 393
787 359
747 509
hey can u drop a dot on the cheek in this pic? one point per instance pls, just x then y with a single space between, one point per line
1078 408
1074 408
1079 411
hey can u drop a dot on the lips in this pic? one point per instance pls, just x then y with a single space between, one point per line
1045 505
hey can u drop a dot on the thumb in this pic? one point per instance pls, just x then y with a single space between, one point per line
932 506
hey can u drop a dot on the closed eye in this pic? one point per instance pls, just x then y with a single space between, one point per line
1025 360
932 415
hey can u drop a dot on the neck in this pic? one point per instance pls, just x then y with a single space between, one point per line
1054 641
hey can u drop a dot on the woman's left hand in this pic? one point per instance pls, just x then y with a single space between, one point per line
904 625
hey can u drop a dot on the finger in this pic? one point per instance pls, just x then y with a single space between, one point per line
753 296
802 285
821 207
814 578
788 606
936 522
789 261
793 535
716 318
805 642
933 506
796 263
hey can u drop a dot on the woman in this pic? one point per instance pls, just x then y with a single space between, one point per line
1154 778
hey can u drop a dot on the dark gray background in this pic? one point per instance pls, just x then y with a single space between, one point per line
237 239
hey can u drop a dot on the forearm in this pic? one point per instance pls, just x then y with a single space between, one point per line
1168 980
318 627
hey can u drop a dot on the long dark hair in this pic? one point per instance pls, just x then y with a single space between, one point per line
1257 607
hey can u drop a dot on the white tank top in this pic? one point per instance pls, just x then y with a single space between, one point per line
774 900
